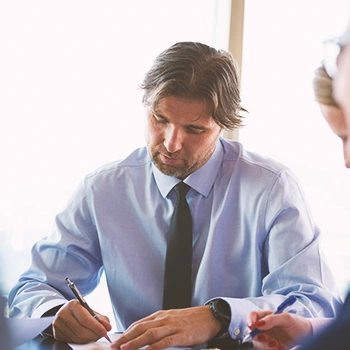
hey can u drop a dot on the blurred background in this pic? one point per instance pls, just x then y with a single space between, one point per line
69 102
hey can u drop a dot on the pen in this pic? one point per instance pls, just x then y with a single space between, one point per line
288 302
82 301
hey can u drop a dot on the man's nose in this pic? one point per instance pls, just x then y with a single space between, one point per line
173 140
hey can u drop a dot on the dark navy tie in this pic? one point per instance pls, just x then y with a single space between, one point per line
178 262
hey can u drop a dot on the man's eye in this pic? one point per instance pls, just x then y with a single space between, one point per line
195 131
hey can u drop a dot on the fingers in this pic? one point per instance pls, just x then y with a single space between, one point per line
146 331
278 331
264 343
268 345
74 324
104 320
170 328
272 336
257 316
283 320
158 337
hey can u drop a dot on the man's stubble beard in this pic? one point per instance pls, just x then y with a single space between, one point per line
180 172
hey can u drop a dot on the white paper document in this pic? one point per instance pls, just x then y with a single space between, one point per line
102 344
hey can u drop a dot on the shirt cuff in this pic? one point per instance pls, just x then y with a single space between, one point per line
39 311
318 324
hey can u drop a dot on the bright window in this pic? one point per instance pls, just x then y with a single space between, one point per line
69 103
283 45
69 100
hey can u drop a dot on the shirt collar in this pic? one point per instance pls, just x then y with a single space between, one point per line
201 180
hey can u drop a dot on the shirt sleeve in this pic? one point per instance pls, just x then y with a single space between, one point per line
72 250
320 324
293 261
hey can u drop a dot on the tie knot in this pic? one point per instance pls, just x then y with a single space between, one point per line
181 189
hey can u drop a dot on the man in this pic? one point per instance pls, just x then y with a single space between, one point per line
286 330
253 239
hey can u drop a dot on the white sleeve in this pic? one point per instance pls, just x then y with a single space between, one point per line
318 324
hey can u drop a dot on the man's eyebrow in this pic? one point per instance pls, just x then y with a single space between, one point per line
193 126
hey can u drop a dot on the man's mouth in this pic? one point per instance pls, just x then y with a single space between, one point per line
166 159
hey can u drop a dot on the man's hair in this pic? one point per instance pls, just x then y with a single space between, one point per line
322 84
194 71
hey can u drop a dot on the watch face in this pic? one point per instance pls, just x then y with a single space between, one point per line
223 309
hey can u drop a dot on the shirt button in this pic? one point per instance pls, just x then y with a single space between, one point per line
237 331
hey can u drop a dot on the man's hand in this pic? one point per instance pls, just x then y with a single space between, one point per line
74 324
169 328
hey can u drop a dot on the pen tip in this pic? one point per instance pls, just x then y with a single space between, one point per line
246 338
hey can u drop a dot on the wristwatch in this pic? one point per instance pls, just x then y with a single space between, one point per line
222 312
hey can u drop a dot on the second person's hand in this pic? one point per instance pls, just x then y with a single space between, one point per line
278 332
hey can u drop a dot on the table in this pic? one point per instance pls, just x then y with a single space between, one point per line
41 343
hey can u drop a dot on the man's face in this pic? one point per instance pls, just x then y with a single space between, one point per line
181 135
335 118
341 88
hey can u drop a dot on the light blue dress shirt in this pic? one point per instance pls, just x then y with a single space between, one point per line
254 240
